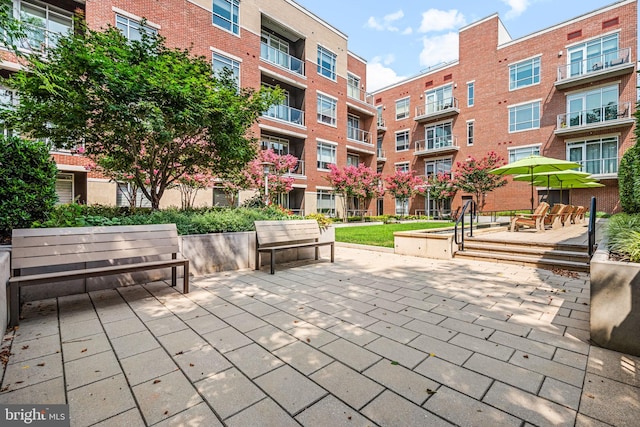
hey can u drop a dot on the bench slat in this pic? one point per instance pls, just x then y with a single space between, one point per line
63 239
91 230
78 247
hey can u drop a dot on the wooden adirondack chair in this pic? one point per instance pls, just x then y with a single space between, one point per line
554 218
534 220
577 217
566 215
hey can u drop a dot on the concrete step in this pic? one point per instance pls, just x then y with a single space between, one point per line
548 252
524 260
517 245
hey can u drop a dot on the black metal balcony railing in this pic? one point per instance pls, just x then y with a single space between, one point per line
285 113
282 59
599 63
594 116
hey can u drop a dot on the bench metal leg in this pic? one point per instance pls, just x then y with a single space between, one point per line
14 295
317 252
332 253
257 260
174 272
273 262
185 286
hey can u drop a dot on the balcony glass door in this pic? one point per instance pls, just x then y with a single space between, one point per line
592 55
593 107
438 99
275 49
438 136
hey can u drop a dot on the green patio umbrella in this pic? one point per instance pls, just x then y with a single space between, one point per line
532 165
590 184
555 179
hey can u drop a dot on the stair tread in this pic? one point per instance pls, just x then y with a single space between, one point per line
511 243
524 249
479 254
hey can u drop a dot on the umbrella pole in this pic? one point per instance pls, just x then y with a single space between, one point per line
531 190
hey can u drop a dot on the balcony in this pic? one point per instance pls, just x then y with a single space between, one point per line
286 114
381 125
281 59
439 145
437 110
298 169
606 117
382 157
353 92
359 135
593 69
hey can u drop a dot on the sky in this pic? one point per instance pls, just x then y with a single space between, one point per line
401 38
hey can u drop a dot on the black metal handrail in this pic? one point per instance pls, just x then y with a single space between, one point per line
592 225
460 220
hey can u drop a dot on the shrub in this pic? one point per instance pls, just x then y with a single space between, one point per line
27 184
323 220
629 180
623 231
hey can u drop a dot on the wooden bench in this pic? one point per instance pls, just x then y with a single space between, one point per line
273 236
83 252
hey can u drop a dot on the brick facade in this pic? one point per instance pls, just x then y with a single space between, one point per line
485 55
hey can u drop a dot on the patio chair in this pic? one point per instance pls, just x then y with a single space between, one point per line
534 220
577 217
566 215
554 217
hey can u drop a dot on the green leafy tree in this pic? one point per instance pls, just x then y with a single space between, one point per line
138 108
629 180
472 176
27 184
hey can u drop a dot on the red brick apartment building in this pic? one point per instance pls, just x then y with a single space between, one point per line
324 119
567 91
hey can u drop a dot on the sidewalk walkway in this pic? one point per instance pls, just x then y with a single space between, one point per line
373 339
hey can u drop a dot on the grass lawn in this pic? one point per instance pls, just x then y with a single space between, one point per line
381 235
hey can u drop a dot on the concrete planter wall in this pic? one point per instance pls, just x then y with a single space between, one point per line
424 244
5 256
615 303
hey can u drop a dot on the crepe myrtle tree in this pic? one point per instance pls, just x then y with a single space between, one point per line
403 184
359 183
441 187
279 181
472 176
137 107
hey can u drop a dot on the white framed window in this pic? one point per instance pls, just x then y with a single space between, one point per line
326 63
439 98
326 155
402 207
437 166
524 73
327 109
44 23
226 15
438 136
518 153
64 188
326 202
124 193
353 128
353 159
220 198
470 131
402 167
220 62
471 94
279 146
402 140
353 86
524 116
597 156
594 106
133 29
402 108
593 55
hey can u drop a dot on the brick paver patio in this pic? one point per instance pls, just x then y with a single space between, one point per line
374 339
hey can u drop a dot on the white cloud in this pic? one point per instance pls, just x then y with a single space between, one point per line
386 23
517 7
407 31
438 49
379 74
440 20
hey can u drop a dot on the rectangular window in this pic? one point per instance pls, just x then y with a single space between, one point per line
439 99
516 154
380 120
225 15
124 195
44 24
525 73
220 198
326 63
438 136
327 109
596 156
64 188
353 86
525 116
470 126
471 94
402 167
594 106
325 202
402 207
402 140
438 166
353 160
221 62
133 30
402 108
326 155
594 55
279 146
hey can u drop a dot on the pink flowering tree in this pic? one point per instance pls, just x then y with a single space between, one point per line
279 180
352 183
402 185
473 176
189 185
442 187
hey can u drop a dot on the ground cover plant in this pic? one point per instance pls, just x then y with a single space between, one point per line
623 231
381 235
